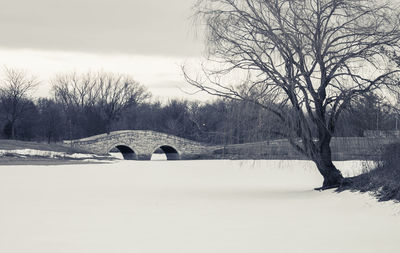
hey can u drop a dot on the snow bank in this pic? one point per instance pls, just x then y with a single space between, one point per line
45 153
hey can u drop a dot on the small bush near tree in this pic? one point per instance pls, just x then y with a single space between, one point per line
384 179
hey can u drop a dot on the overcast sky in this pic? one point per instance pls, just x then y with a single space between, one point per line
148 39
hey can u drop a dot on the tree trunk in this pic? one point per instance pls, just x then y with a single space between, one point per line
49 137
323 159
332 176
12 130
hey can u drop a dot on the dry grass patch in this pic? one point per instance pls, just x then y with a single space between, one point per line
383 180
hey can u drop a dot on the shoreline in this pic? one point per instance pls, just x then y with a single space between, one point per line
43 161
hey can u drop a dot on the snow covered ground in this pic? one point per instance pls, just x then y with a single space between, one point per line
189 207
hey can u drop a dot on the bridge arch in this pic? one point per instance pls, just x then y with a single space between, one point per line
127 152
170 151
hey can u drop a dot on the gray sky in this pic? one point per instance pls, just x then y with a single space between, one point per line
148 27
148 39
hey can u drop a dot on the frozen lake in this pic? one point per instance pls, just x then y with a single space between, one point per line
189 206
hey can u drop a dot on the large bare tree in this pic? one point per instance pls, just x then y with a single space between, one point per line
304 60
16 86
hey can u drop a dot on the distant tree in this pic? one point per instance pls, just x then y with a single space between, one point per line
142 116
26 128
214 122
117 93
368 112
304 61
52 120
174 117
16 87
226 122
93 102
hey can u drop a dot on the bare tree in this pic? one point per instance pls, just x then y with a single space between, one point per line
106 94
74 91
16 87
52 119
116 93
304 60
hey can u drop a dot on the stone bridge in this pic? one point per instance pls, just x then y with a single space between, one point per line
141 144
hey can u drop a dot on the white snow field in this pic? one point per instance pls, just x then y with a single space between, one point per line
189 206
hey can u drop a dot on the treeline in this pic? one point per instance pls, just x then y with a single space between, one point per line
82 105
